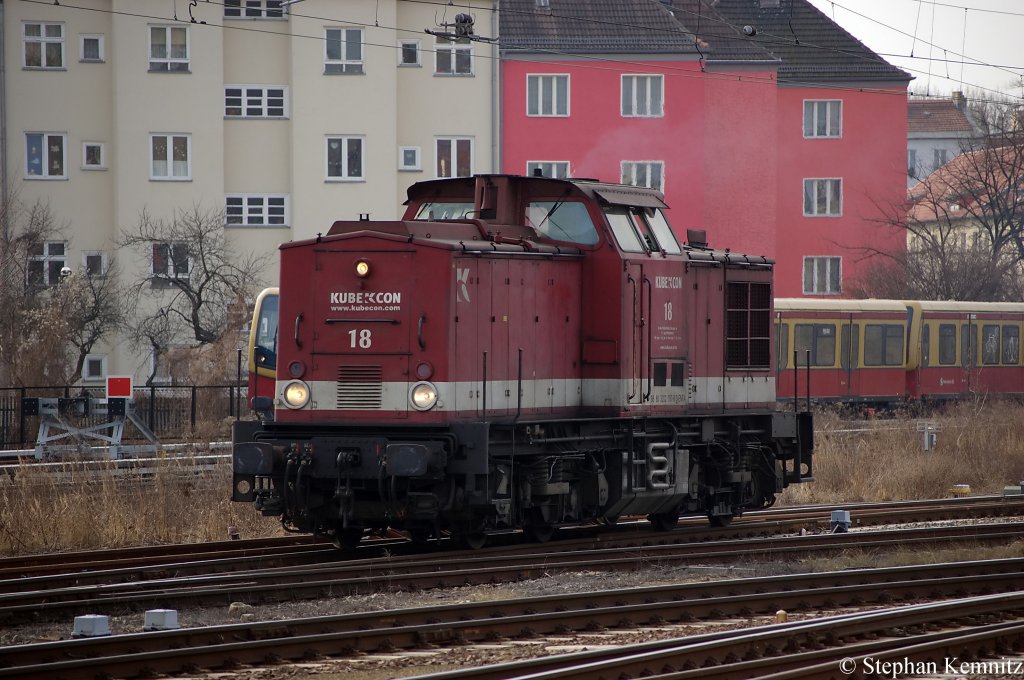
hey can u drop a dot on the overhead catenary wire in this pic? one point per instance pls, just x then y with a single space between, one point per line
665 68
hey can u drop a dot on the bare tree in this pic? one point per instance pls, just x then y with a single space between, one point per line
197 282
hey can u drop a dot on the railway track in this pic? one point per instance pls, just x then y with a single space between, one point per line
34 599
982 589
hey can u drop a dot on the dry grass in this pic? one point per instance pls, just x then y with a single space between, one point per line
83 509
980 444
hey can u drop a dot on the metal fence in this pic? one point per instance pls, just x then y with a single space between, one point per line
172 413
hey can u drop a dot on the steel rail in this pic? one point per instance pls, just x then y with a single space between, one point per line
332 580
171 651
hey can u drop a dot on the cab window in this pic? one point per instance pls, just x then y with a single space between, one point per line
266 332
562 221
440 210
662 231
624 230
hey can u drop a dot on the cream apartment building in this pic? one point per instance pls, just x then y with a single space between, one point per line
287 116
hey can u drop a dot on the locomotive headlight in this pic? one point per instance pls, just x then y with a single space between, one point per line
296 394
362 269
423 396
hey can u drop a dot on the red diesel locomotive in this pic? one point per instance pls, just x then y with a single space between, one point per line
515 353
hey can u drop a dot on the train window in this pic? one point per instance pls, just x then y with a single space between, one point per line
883 345
445 210
662 231
820 339
1011 345
660 374
990 344
926 350
968 345
947 344
849 346
562 221
266 331
623 228
781 346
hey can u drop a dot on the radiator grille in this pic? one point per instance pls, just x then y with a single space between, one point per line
360 387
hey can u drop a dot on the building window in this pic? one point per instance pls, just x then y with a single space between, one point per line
822 275
409 158
453 57
547 95
409 54
94 156
257 210
912 163
555 169
255 101
94 367
46 155
823 197
168 49
343 51
170 157
823 118
94 263
643 96
344 158
45 261
649 174
454 156
43 45
90 47
170 261
253 9
939 158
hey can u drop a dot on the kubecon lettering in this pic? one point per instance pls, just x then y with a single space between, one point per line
366 298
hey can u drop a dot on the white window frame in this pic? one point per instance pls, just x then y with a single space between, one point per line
817 261
453 48
255 10
86 254
87 375
345 140
344 65
534 82
43 41
169 138
633 104
102 165
549 168
44 161
819 184
633 166
256 97
169 60
401 53
171 272
454 155
417 165
258 206
46 258
813 121
98 37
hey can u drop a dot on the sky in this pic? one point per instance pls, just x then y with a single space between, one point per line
948 42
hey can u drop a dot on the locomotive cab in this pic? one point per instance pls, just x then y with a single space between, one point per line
516 353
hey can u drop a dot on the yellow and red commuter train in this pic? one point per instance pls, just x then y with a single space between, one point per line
891 351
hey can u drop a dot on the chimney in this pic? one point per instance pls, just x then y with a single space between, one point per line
959 100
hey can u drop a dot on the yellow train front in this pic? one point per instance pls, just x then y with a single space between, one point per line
516 353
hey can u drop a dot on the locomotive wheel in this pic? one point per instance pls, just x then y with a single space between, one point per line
663 521
538 532
347 539
720 520
471 540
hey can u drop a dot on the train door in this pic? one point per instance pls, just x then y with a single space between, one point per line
849 352
638 299
969 354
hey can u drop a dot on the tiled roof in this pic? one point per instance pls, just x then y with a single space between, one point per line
812 47
624 27
966 184
938 115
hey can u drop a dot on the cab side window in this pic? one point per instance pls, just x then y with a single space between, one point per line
562 221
